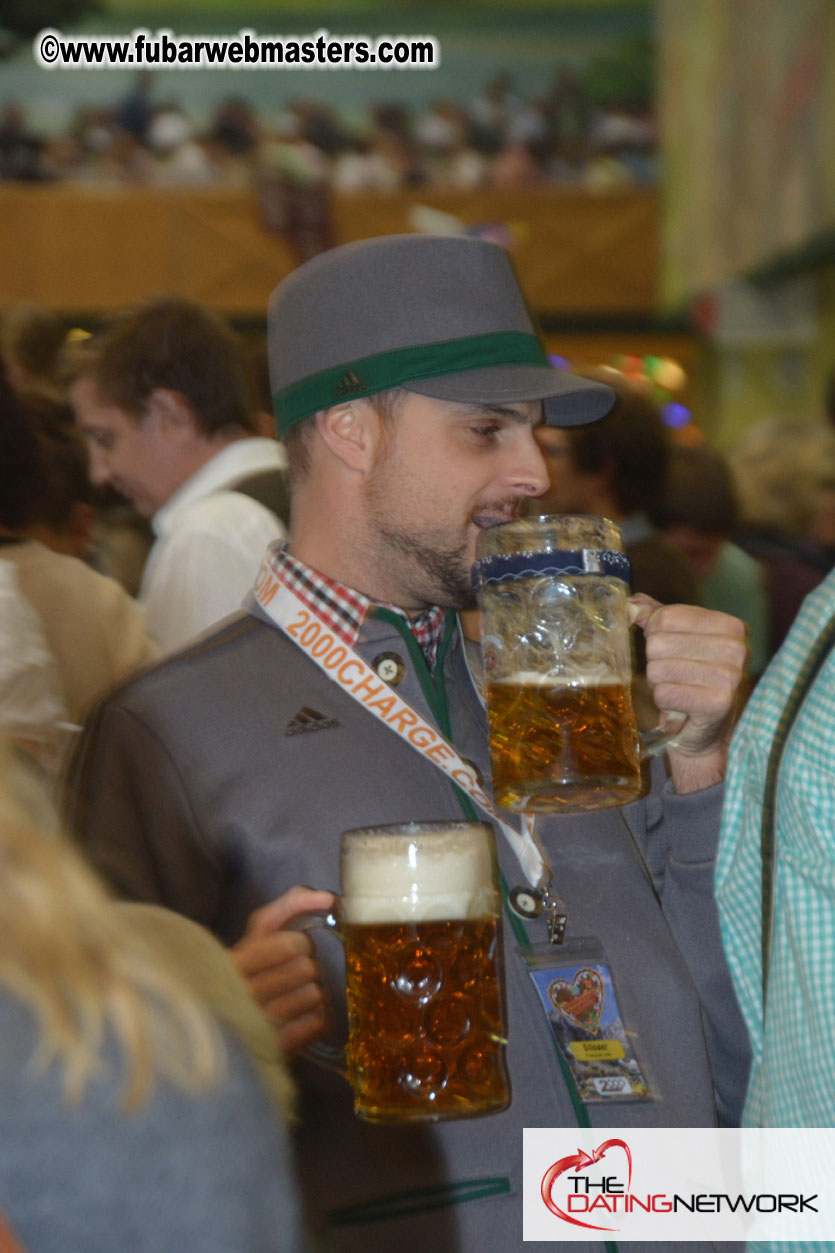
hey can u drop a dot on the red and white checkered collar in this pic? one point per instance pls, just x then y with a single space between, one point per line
344 610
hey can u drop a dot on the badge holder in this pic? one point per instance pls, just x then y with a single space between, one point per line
577 991
529 903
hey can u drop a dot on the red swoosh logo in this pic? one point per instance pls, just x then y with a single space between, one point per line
579 1161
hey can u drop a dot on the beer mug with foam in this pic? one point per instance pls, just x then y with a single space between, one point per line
419 920
557 665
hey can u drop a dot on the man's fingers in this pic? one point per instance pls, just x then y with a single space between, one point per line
704 705
702 676
277 980
682 619
640 608
284 978
299 1003
294 1036
724 650
696 657
696 661
254 953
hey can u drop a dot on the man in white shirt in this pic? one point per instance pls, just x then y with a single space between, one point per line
162 397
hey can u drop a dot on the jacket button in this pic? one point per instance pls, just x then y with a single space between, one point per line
390 668
525 902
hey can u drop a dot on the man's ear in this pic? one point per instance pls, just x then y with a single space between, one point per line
351 432
173 413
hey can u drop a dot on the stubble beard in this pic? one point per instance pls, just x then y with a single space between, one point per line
437 573
431 569
426 563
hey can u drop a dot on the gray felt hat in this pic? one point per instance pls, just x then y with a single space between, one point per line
442 316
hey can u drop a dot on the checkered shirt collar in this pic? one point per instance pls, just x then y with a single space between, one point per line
344 610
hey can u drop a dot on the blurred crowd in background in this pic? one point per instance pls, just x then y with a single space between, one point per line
750 532
502 138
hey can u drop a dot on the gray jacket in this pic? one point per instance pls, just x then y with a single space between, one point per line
226 774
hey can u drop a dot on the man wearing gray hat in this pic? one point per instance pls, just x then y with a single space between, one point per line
408 380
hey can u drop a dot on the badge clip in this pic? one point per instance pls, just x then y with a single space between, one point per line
530 903
557 918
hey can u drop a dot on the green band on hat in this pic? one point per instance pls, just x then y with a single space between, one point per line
354 379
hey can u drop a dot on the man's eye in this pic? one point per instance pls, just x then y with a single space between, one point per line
488 431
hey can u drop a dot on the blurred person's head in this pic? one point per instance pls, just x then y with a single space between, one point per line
699 510
31 340
235 126
168 130
611 468
45 488
68 507
256 360
394 118
515 165
785 476
20 471
158 393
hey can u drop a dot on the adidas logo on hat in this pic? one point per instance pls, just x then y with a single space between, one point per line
348 384
308 719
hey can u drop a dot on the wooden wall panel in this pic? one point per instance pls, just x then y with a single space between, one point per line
87 249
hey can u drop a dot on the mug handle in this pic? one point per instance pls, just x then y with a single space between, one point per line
331 1056
660 738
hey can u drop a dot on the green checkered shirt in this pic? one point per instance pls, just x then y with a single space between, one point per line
793 1068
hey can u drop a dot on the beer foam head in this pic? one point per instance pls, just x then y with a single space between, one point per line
595 675
422 872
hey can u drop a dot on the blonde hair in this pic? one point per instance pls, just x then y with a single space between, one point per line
84 975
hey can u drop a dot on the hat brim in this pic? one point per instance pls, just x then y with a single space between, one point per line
567 399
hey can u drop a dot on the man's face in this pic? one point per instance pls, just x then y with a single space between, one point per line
445 472
134 456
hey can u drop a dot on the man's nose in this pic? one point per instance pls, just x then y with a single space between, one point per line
530 473
99 470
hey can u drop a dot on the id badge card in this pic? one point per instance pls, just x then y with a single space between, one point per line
575 986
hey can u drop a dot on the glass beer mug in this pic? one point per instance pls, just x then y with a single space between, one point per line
557 662
419 921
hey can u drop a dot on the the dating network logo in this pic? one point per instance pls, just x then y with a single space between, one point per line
571 1186
593 1188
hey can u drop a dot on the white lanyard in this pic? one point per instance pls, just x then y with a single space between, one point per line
343 664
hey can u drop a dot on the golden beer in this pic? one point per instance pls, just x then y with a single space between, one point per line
426 1033
420 924
562 747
